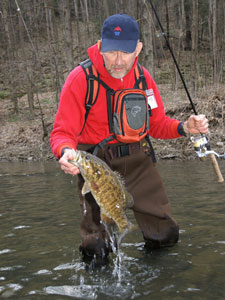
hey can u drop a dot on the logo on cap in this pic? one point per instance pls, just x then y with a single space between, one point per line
117 31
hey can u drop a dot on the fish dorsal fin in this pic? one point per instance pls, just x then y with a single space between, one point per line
85 189
120 177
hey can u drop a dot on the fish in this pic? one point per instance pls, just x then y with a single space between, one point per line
107 188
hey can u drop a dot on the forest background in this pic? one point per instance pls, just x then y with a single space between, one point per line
41 41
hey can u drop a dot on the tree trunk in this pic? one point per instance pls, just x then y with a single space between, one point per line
106 12
220 38
147 31
30 92
183 22
53 44
10 57
68 37
86 22
77 24
194 53
187 26
213 38
167 20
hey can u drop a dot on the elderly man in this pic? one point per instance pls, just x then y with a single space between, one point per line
115 58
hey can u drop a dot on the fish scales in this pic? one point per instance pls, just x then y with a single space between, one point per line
106 187
107 191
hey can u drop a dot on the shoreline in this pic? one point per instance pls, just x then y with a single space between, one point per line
22 135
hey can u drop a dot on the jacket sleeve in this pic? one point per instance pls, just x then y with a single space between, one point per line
70 115
161 126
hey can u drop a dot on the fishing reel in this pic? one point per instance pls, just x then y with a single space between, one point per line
202 147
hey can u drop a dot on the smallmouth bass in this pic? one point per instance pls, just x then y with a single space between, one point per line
107 189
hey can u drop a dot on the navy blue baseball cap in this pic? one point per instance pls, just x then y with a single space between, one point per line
120 32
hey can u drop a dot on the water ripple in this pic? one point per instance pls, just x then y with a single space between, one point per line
5 251
82 292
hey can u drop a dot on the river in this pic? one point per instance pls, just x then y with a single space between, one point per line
39 239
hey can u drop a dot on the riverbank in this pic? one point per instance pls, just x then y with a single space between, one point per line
22 135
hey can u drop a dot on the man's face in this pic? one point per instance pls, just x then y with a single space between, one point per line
119 63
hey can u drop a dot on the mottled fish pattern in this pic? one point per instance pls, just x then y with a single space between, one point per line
107 188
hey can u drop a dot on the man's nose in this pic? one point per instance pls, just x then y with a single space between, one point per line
119 58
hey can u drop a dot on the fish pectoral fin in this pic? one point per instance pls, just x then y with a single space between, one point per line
85 189
129 200
105 219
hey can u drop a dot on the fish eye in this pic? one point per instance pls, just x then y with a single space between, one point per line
87 157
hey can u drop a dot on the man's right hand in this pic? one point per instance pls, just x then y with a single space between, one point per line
66 166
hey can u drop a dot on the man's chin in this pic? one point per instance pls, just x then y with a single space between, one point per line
118 75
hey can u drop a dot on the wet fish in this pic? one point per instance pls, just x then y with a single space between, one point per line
107 188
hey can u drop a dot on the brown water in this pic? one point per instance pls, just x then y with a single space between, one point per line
39 239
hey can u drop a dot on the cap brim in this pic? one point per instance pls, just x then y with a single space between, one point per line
118 45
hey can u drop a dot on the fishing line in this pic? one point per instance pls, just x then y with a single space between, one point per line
25 26
158 35
174 58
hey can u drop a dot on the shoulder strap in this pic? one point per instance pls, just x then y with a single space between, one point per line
151 147
140 81
93 85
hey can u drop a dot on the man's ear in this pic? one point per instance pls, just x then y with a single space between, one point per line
99 45
139 48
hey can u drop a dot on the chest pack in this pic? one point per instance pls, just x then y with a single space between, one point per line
128 109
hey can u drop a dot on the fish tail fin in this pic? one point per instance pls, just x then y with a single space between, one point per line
132 227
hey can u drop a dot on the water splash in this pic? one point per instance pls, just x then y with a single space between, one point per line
79 291
115 242
21 227
84 208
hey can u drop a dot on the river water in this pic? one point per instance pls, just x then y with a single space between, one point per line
39 239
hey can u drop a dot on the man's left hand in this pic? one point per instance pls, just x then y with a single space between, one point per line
196 124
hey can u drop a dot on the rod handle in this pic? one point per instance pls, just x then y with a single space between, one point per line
216 167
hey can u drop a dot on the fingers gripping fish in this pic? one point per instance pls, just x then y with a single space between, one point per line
107 188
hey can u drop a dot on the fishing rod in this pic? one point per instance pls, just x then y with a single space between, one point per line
201 143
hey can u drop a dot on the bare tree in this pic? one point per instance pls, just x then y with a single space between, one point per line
106 9
53 44
220 38
10 54
68 36
194 53
187 25
183 22
78 37
167 19
147 31
85 15
213 38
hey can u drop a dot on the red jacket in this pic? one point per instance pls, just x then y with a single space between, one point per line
71 111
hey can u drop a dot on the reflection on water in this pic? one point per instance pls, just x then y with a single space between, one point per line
39 239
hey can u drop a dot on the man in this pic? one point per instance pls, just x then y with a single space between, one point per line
115 57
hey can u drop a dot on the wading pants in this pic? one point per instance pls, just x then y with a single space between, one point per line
151 207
